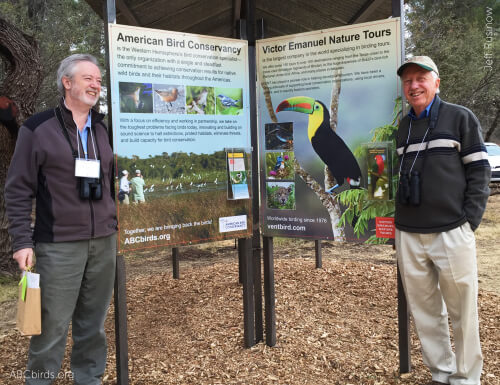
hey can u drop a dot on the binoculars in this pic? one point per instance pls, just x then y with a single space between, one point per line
90 188
409 188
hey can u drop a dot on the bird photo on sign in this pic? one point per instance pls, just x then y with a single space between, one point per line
378 172
169 99
136 97
238 177
279 136
229 101
200 100
279 165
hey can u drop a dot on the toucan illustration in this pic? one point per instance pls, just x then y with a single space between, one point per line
326 143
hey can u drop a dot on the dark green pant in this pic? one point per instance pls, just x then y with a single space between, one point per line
76 281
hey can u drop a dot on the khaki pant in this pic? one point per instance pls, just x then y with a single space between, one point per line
76 281
439 274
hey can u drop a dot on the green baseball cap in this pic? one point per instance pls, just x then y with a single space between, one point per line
423 61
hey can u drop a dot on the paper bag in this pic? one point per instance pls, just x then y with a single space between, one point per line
29 312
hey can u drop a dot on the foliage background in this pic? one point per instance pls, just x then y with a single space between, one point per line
61 28
176 165
359 209
452 32
455 35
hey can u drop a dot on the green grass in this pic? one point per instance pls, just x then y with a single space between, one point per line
186 208
8 288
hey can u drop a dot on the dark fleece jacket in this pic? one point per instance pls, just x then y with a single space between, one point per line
43 168
455 175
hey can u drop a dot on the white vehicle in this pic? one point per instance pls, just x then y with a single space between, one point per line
494 159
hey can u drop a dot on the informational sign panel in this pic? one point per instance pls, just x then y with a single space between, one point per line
178 100
322 97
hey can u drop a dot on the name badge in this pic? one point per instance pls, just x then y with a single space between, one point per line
87 168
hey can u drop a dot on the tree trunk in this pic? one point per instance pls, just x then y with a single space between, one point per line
334 210
493 126
21 84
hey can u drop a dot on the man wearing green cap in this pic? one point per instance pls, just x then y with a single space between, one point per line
443 190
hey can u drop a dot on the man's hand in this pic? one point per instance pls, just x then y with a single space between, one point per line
24 258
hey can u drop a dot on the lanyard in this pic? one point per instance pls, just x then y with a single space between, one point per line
62 124
84 143
419 148
434 113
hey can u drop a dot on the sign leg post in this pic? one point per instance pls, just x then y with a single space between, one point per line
403 329
319 257
240 264
120 297
245 248
175 262
270 307
257 287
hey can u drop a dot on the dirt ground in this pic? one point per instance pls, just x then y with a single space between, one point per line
335 325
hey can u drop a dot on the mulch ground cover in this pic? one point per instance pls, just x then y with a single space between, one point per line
335 325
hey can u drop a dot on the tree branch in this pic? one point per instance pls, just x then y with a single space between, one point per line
327 199
493 126
23 76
